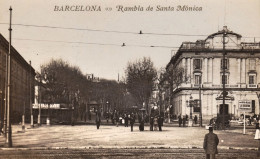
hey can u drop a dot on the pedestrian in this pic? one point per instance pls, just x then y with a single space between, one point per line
126 120
151 122
195 119
180 120
184 121
210 144
155 122
107 116
160 122
132 121
257 137
141 126
117 119
98 120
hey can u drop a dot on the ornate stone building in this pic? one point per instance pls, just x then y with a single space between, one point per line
22 76
202 64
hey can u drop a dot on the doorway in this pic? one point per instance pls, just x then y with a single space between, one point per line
223 108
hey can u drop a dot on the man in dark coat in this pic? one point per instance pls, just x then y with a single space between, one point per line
210 144
184 121
195 119
132 121
98 120
126 120
180 120
160 122
141 126
151 123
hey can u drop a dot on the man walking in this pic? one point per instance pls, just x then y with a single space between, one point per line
160 122
184 121
151 123
98 119
210 144
132 121
180 120
195 119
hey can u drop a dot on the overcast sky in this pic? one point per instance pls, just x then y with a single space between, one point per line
84 48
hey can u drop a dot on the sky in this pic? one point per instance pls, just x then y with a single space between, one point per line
92 40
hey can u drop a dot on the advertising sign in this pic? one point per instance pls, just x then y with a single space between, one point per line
245 105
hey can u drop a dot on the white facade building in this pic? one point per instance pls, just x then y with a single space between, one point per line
202 62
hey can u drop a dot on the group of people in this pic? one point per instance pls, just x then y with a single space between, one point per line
119 118
184 119
210 140
156 121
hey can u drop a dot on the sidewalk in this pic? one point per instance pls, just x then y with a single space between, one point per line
110 136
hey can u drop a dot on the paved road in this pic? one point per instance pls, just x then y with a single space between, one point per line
123 153
112 137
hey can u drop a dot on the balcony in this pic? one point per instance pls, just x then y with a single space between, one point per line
197 85
227 86
252 86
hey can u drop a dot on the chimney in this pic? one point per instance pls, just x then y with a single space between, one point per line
225 28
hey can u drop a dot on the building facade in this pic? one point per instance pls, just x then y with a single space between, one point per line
22 82
205 71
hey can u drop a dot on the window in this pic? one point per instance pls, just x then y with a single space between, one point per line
252 64
4 60
226 64
224 79
197 79
251 79
197 64
196 106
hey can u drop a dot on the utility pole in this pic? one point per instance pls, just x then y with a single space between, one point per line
200 103
8 142
5 98
224 77
39 101
30 94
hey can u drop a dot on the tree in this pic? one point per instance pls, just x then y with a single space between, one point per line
171 78
140 78
64 84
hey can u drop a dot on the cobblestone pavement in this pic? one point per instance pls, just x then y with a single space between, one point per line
123 153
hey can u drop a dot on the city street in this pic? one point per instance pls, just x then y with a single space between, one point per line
86 141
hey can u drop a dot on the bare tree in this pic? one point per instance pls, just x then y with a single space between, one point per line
170 79
140 78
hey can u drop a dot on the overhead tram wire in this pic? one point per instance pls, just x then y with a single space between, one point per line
109 31
99 30
86 43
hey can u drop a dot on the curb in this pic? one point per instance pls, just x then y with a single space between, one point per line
125 147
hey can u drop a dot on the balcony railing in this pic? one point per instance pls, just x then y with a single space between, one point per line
252 85
197 85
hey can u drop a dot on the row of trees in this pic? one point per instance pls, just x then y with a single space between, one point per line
67 84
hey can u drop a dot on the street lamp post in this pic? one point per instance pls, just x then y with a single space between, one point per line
200 103
234 111
8 142
107 106
224 78
190 104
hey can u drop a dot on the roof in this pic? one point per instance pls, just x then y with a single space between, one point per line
221 32
15 54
